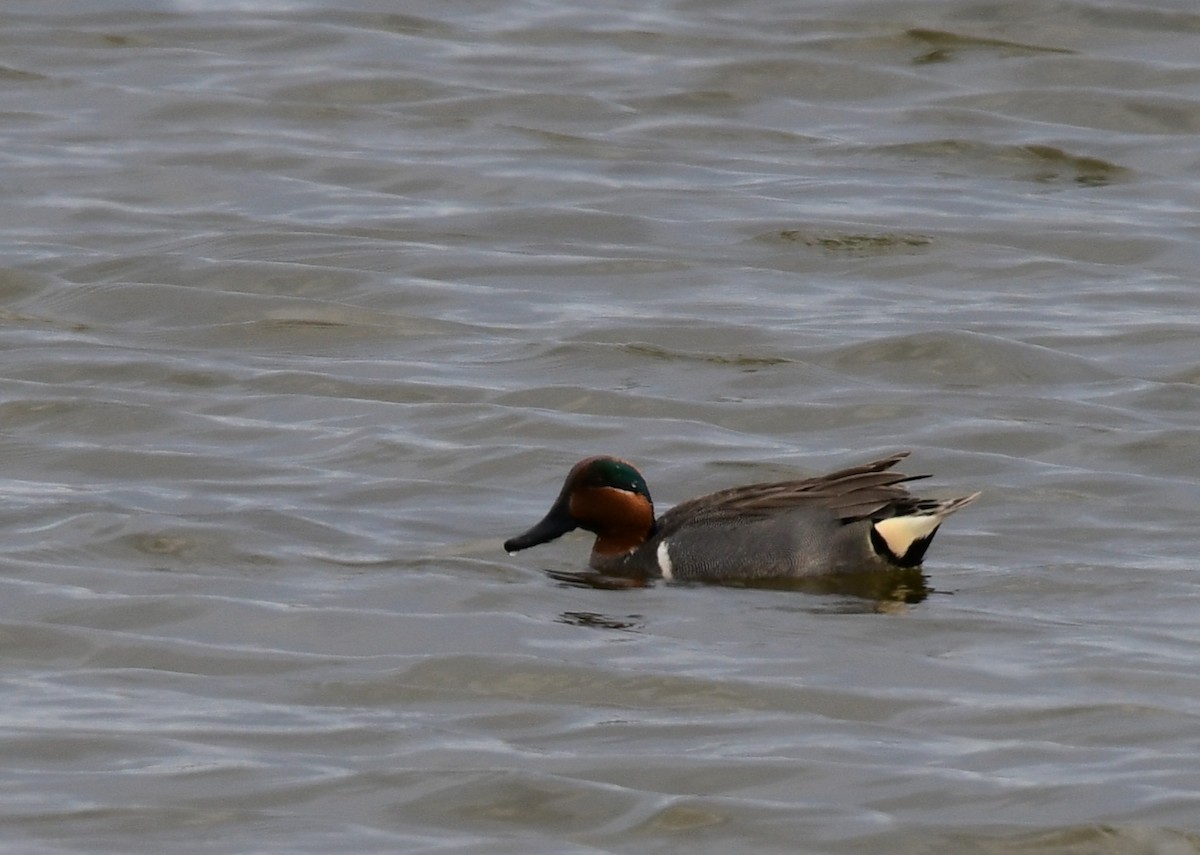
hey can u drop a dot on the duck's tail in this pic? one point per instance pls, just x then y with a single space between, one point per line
903 539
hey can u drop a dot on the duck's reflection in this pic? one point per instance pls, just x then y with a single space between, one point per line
595 620
901 586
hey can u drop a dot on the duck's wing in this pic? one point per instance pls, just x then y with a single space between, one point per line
857 492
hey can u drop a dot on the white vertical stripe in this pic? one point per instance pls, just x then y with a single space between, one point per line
664 562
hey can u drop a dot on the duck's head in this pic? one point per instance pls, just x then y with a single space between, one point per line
604 495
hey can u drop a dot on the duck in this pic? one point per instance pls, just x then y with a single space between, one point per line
860 519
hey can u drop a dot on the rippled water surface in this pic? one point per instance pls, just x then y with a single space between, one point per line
306 306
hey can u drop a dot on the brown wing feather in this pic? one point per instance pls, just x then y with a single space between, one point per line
853 493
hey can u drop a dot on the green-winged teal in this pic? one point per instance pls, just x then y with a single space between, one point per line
858 519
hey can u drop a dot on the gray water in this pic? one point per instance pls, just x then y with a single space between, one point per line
306 306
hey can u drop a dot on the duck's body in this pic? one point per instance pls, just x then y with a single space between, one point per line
854 520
